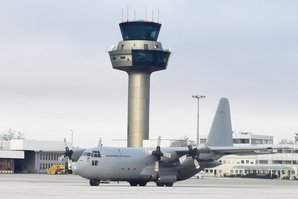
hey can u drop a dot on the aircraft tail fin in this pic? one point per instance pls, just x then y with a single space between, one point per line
221 129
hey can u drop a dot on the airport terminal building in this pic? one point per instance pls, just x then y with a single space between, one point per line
29 156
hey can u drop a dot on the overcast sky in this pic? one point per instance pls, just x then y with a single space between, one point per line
55 72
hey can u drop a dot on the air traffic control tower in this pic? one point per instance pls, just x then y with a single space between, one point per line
139 54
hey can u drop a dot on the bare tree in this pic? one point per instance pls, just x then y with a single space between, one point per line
20 136
12 134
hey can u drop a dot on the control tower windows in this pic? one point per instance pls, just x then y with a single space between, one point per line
150 58
140 30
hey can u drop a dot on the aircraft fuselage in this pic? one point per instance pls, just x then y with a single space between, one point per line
134 165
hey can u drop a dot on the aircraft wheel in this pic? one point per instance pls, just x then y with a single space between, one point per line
133 184
94 182
142 184
169 184
160 184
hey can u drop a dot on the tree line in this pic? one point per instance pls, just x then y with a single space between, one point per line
12 134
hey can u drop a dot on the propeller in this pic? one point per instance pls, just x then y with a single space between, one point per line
100 142
194 153
68 152
158 154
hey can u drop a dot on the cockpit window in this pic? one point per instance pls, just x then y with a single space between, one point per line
86 154
96 154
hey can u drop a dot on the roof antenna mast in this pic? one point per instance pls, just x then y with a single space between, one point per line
152 15
127 13
122 14
145 13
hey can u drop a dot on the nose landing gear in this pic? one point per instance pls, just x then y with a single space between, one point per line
94 182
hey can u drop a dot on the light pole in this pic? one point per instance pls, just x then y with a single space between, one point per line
198 129
71 133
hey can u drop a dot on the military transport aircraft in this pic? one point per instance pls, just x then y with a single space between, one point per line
165 166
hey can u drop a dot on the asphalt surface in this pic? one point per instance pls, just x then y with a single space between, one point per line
31 186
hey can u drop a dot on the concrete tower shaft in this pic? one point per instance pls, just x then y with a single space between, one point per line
138 108
139 54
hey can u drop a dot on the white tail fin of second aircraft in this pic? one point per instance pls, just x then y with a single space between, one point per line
221 129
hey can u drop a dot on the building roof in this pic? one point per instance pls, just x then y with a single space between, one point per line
32 145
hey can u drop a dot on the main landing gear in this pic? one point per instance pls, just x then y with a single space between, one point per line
141 184
164 184
134 183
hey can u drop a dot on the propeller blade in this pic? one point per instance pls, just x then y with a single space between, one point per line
188 144
156 166
193 152
167 155
148 152
158 141
182 159
197 164
158 154
65 143
99 142
61 158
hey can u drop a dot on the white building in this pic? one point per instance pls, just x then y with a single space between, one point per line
245 139
29 156
283 163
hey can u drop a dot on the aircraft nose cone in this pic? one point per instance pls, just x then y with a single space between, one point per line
77 170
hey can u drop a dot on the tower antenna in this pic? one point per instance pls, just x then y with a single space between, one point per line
152 15
122 14
145 13
127 13
158 15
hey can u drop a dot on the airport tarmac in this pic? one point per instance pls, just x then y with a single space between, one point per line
31 186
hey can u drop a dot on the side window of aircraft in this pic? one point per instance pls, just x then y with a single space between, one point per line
94 162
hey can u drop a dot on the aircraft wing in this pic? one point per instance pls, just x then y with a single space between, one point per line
247 150
181 151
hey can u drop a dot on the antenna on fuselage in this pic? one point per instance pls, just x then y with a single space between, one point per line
100 142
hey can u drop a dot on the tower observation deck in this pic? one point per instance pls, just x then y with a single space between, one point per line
139 54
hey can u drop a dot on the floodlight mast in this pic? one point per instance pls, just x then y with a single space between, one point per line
198 97
139 54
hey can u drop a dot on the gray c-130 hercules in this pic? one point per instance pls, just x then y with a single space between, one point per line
164 166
